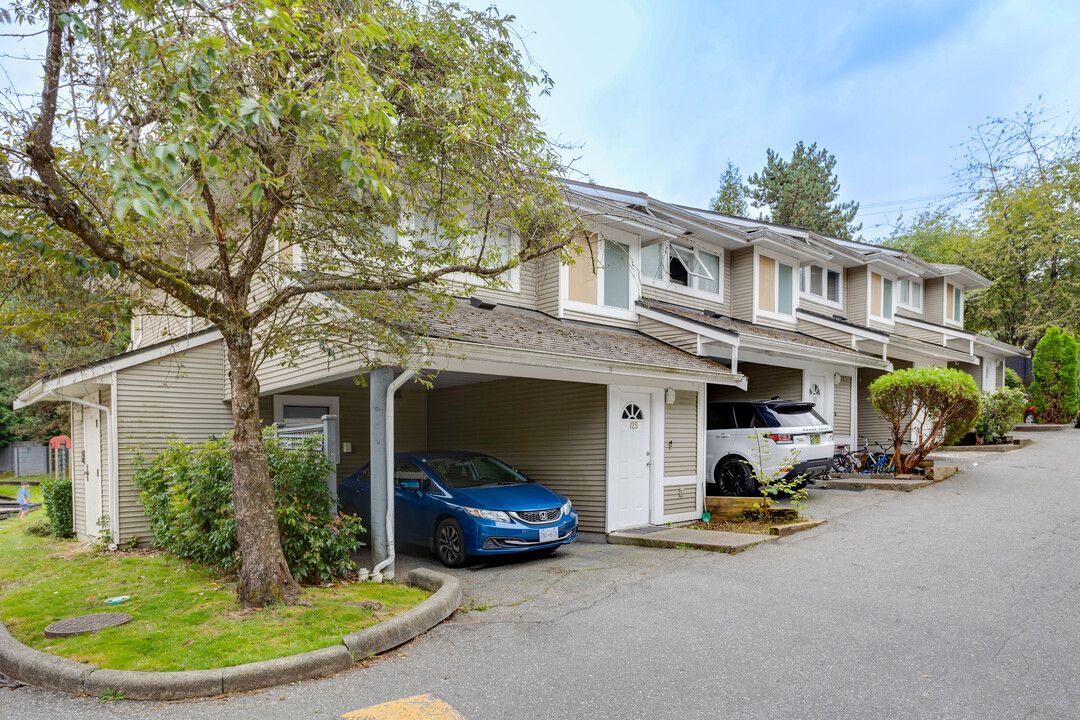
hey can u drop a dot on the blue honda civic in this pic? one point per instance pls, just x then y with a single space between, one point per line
463 503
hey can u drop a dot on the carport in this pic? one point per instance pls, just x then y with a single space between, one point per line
611 418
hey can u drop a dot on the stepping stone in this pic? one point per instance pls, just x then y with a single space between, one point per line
85 624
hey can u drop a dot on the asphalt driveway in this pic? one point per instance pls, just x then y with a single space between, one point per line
955 601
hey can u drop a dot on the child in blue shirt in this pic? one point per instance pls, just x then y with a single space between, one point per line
24 499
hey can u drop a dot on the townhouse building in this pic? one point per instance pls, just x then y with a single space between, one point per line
591 377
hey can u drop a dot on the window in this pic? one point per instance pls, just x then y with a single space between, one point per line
881 297
304 409
910 294
681 265
616 274
632 412
498 246
776 286
410 471
820 282
954 304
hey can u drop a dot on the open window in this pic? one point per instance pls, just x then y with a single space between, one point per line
682 265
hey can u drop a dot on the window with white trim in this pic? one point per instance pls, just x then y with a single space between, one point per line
910 292
954 304
497 244
821 282
616 268
882 300
776 286
682 265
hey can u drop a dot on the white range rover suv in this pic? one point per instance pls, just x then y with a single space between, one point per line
777 433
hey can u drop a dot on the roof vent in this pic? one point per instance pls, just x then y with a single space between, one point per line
478 302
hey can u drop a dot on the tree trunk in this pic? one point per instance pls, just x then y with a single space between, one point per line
264 576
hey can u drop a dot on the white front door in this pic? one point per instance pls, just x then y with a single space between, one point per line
92 467
632 460
816 390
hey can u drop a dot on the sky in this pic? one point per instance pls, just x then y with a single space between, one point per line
660 95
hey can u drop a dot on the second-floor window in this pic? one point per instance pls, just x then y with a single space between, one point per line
910 295
681 265
881 297
820 282
616 269
954 304
776 286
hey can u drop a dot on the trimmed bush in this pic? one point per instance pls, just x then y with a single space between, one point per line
1012 380
56 497
186 492
999 411
935 398
1057 370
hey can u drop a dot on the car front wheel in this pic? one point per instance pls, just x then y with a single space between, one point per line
733 477
1029 418
450 543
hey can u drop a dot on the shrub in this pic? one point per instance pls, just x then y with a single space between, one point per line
187 494
935 398
1012 380
56 496
1057 370
999 411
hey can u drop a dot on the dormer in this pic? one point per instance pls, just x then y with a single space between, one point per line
947 295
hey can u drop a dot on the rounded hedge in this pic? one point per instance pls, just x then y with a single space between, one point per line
186 492
56 496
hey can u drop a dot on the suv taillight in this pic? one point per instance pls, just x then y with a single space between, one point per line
781 438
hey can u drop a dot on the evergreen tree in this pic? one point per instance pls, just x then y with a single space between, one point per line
730 198
1056 370
803 192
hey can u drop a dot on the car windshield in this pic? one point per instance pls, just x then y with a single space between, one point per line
470 472
794 415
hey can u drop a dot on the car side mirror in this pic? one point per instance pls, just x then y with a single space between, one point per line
410 485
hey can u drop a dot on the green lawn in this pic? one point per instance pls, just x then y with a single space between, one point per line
184 616
11 490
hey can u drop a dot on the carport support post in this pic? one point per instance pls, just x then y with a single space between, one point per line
379 381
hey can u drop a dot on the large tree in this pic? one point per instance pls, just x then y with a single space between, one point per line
803 192
730 197
302 176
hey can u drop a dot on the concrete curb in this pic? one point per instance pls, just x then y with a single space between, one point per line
402 628
792 528
1004 447
52 672
1022 427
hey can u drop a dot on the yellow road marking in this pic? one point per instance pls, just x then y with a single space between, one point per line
418 707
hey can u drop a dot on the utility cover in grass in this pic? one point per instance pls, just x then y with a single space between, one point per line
85 624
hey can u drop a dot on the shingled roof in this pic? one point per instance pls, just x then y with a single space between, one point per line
749 330
521 329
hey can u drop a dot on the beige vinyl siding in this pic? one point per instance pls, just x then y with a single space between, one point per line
884 327
763 382
813 304
547 284
934 300
681 435
680 499
682 339
105 399
554 432
875 295
999 374
600 318
855 291
975 371
524 297
276 375
821 332
742 284
871 424
842 407
78 472
917 333
177 397
354 419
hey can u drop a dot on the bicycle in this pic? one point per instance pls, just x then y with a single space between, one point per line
863 461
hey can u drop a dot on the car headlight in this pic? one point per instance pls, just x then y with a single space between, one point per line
567 507
497 515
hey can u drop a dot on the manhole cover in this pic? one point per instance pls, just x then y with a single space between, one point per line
85 624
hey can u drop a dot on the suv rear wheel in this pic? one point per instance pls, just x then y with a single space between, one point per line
733 477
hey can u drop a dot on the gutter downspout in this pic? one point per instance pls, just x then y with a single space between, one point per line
110 423
376 572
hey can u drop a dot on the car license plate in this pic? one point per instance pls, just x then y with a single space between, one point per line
815 439
549 534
